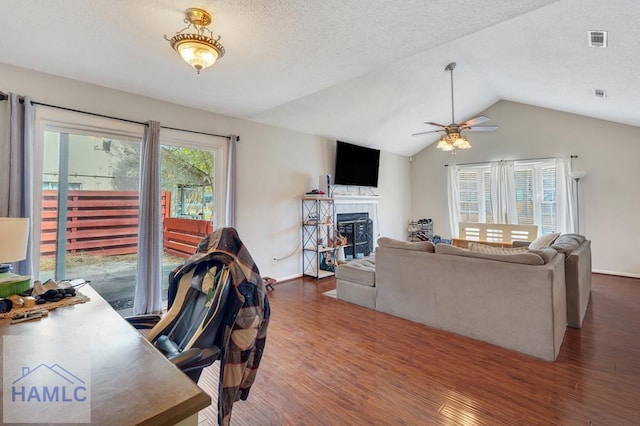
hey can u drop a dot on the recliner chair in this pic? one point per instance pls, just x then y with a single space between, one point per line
190 334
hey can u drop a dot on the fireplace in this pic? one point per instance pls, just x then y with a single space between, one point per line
357 228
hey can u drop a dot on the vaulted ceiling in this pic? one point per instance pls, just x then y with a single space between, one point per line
364 71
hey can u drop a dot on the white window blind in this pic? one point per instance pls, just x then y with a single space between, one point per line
536 191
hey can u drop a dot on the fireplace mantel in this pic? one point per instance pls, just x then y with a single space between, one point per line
356 199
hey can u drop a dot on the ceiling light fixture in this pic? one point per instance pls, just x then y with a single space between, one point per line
200 49
453 138
452 141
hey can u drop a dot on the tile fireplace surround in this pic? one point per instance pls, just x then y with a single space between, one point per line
359 204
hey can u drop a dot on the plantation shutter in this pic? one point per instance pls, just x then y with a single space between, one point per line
469 199
487 197
525 196
548 205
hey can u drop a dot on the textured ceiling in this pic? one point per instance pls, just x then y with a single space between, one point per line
365 71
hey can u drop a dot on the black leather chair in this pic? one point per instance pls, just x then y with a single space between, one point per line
191 333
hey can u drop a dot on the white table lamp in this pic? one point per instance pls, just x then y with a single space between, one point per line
14 237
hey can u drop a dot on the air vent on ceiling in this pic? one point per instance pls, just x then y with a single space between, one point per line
597 39
600 93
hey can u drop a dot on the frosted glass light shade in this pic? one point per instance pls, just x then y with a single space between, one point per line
14 234
444 145
197 54
577 174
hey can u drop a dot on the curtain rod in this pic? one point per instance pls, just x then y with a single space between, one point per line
4 97
525 159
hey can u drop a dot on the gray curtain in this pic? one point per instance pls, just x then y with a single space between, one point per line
148 298
16 169
230 208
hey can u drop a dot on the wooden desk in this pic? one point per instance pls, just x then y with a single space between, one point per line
459 242
131 382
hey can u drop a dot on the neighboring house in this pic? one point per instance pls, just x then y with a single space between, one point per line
101 164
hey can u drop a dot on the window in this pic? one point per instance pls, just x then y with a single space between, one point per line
88 202
92 232
535 194
193 173
475 194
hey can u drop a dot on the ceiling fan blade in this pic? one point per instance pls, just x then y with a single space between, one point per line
474 121
424 133
434 124
481 129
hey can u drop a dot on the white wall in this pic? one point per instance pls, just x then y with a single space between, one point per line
275 166
609 194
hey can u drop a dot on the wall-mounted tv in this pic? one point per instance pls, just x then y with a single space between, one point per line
356 165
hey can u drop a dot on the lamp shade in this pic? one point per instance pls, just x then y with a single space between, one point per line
577 174
14 236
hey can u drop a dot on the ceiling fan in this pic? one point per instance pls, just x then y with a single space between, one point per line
453 137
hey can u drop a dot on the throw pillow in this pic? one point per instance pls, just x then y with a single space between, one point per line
546 253
567 243
406 245
484 248
523 258
544 241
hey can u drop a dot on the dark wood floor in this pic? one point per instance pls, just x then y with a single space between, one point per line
330 362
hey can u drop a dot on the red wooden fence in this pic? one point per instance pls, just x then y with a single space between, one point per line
181 236
106 223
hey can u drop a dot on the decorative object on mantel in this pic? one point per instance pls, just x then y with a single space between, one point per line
453 137
200 49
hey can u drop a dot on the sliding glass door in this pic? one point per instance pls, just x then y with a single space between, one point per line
193 195
88 199
87 196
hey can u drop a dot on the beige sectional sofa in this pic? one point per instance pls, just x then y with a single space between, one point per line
517 306
516 300
577 251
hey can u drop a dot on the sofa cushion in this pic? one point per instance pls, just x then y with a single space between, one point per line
546 253
544 241
406 245
567 243
524 258
358 271
484 248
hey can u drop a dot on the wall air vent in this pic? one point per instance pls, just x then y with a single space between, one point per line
600 93
597 39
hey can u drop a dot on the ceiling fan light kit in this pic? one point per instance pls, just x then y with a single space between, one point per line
453 138
200 49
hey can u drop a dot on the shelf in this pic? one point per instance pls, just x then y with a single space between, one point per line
322 274
316 197
320 250
318 228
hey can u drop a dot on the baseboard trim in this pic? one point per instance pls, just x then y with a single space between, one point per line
621 274
288 278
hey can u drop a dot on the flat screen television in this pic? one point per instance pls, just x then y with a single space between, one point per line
356 165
